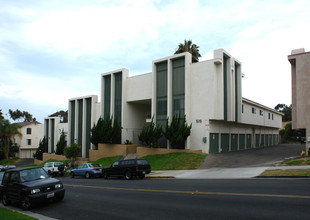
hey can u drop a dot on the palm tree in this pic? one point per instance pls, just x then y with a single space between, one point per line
188 46
7 132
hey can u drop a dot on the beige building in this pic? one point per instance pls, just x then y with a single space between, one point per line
32 133
300 63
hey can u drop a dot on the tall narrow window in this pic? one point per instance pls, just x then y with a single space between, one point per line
107 96
28 142
178 86
28 130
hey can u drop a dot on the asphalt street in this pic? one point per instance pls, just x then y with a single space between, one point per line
181 199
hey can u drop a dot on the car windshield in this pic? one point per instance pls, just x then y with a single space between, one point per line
58 164
33 174
143 162
1 176
94 165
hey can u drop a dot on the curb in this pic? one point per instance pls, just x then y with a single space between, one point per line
282 177
159 177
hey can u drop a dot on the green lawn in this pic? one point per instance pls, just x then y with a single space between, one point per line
297 162
289 172
11 215
12 161
107 161
175 161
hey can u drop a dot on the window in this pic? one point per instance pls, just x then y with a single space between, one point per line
272 116
28 142
28 130
269 115
242 108
261 112
253 110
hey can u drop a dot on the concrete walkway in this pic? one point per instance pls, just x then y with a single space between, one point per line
218 173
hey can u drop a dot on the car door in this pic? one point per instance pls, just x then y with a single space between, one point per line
14 186
115 169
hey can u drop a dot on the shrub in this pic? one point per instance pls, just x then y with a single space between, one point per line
61 144
72 152
41 149
150 134
105 131
177 132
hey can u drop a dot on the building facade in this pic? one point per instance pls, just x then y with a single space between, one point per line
28 142
208 94
300 72
52 132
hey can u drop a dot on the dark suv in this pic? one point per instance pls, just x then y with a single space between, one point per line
29 185
128 169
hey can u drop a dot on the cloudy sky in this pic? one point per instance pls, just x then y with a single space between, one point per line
51 51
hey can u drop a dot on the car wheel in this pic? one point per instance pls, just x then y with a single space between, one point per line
128 175
141 176
106 175
5 200
72 175
25 203
87 175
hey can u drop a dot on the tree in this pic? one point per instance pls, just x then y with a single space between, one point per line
150 134
7 133
72 152
1 114
188 46
290 135
105 131
41 149
63 115
61 144
177 132
286 110
19 115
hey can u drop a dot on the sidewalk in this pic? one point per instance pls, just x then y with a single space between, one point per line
218 173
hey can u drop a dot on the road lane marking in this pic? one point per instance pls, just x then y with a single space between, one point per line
195 192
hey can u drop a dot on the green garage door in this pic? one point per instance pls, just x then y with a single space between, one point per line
257 140
225 142
214 143
248 141
262 141
266 140
270 139
234 142
241 141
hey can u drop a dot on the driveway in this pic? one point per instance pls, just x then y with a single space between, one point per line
24 161
257 157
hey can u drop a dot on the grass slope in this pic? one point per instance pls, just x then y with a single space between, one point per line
175 161
289 172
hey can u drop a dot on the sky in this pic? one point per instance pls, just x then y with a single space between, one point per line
51 51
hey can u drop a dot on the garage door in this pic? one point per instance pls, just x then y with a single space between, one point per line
234 142
214 143
262 141
248 141
266 140
241 141
257 140
225 142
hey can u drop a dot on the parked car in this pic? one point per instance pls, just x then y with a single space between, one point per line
55 168
1 167
29 185
87 170
9 167
128 169
1 177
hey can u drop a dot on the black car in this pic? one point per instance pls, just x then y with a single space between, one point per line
128 169
29 185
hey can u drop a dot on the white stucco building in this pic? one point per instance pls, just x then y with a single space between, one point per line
208 93
52 132
28 142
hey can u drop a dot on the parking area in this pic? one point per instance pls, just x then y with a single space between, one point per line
257 157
